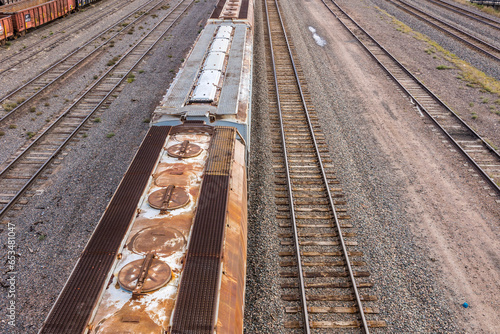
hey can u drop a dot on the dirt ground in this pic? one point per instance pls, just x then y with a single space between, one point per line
428 223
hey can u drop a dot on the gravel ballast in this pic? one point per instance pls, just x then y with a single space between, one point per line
426 225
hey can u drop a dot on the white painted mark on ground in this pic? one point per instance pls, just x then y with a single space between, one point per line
317 38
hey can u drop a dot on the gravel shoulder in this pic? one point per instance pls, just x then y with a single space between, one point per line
428 229
53 228
476 106
263 308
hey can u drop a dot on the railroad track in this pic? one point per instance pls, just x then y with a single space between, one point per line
25 95
24 168
323 280
461 35
467 13
53 40
483 158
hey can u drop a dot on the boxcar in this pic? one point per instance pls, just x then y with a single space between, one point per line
81 3
33 13
6 28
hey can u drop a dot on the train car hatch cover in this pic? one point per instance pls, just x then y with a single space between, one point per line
214 61
224 32
220 44
206 87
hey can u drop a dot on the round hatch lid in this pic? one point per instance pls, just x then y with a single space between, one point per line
169 198
184 150
161 240
158 274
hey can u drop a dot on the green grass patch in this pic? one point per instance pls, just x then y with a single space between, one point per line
8 106
113 61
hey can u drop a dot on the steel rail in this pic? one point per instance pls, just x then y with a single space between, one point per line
428 91
77 129
414 11
467 13
66 36
73 67
323 173
307 327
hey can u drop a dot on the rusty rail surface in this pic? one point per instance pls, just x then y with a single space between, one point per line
58 37
473 15
307 207
480 154
456 32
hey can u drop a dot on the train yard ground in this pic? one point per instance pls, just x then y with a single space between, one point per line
428 228
426 221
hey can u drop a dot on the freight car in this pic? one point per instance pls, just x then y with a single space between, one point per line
21 16
214 83
33 13
6 28
171 245
169 253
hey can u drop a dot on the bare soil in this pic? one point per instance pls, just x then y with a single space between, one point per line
428 227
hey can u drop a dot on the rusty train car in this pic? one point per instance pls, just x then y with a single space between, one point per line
17 17
6 28
169 253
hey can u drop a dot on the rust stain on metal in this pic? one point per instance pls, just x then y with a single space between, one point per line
232 289
130 319
196 304
158 231
144 275
184 150
72 311
169 198
159 239
180 174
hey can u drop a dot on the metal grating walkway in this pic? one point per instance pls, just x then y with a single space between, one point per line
72 310
195 310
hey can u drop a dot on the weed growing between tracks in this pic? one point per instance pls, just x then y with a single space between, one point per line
468 73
